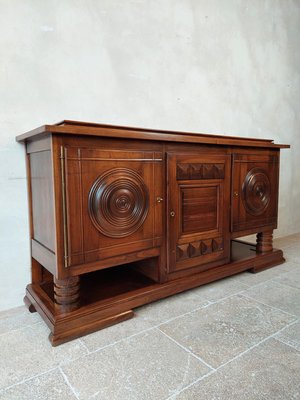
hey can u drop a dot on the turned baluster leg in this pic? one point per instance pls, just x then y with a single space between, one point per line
264 242
67 294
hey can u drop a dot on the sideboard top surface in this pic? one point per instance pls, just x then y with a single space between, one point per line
68 127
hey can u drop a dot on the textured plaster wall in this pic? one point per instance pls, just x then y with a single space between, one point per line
223 66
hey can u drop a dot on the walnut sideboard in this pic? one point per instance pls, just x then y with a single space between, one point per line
121 217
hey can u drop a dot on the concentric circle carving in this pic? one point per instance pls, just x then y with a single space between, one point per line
118 202
256 191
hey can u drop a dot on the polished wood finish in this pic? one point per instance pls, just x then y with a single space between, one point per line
120 217
264 242
255 188
67 294
198 190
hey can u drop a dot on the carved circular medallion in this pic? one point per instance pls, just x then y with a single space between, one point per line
118 202
256 191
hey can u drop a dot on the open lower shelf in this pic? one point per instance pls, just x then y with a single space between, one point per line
106 284
124 281
108 296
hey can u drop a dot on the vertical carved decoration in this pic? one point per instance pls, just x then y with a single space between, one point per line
264 242
256 191
118 202
67 293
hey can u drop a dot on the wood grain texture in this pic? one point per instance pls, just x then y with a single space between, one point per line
264 242
196 209
255 191
130 291
42 198
67 294
102 130
124 216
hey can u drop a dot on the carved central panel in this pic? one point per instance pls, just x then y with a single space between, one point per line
199 248
194 171
256 191
118 202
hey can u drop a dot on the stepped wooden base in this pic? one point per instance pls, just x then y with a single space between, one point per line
104 304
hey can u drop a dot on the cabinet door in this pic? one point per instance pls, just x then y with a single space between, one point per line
111 206
255 191
198 202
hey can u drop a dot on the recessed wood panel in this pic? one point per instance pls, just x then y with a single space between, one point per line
254 194
41 176
197 218
111 202
199 208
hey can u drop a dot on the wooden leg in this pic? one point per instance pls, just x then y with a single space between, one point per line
67 294
264 242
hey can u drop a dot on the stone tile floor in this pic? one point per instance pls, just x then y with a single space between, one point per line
238 338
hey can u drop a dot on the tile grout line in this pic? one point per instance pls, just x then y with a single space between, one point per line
68 382
22 327
282 341
267 305
145 330
287 344
187 350
28 379
83 344
62 363
189 385
284 284
208 304
256 345
228 362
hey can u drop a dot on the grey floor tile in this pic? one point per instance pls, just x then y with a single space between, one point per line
291 278
217 290
282 243
164 310
289 266
223 330
270 371
277 295
171 307
145 367
292 253
17 318
116 332
249 279
28 352
290 335
50 386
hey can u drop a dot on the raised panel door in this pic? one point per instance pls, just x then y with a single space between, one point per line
254 191
111 202
198 219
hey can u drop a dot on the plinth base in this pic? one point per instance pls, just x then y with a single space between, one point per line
108 296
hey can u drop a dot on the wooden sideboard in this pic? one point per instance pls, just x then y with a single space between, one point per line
121 217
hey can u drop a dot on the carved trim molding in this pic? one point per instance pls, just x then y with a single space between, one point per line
256 191
118 202
199 248
193 171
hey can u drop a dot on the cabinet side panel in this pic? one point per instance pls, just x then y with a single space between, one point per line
42 199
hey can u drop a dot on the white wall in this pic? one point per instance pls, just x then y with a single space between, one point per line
223 66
